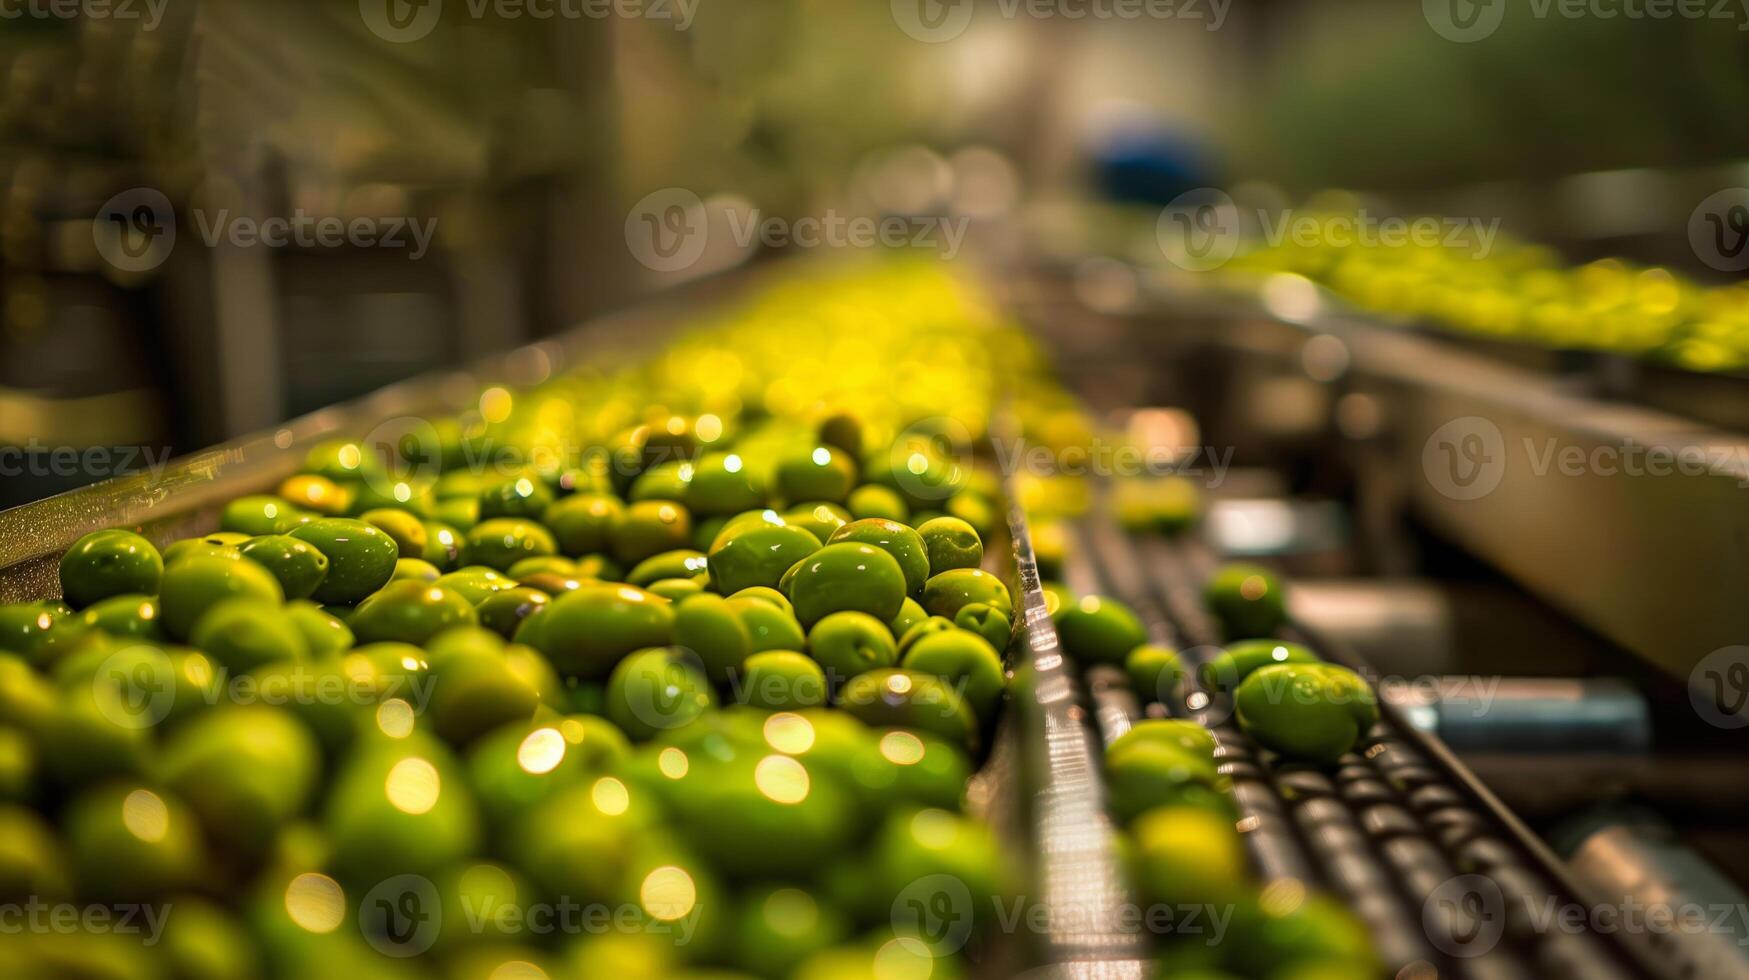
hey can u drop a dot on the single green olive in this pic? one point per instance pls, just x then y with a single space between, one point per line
869 501
757 555
821 473
208 941
410 612
1249 600
767 594
475 690
244 633
587 631
988 622
316 494
1188 855
844 431
776 927
106 563
680 563
764 815
524 497
1179 732
135 616
583 523
769 626
220 545
324 634
1314 712
360 558
344 461
927 770
260 514
415 570
975 509
910 614
194 585
129 843
103 731
519 766
502 612
244 771
503 541
1154 671
966 661
723 483
664 481
676 589
461 513
1098 630
398 806
599 567
928 626
647 528
655 690
897 698
709 627
848 576
1226 671
781 680
445 546
578 842
946 593
896 539
557 564
849 643
951 543
1316 937
1155 773
408 531
476 582
818 518
299 565
43 631
27 699
914 845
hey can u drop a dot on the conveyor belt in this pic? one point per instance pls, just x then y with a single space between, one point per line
1447 881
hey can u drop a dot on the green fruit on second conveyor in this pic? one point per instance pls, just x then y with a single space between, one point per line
1249 600
1097 630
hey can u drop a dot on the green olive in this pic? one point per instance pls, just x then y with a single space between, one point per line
676 589
975 509
723 483
134 616
655 690
259 515
927 770
898 540
1097 630
897 698
555 564
821 473
765 594
408 531
503 541
578 842
398 806
946 593
849 643
778 926
194 585
967 662
1249 600
445 546
1188 855
912 846
910 614
1156 773
475 690
769 626
208 942
96 732
817 518
1186 735
988 622
31 861
244 633
344 461
299 565
1315 712
410 612
502 612
244 771
476 582
316 494
523 497
709 627
1154 672
106 563
415 570
757 555
219 545
664 481
928 626
647 528
521 765
764 815
360 558
781 680
582 524
131 844
27 699
847 576
680 563
585 632
952 543
461 513
870 501
325 635
1225 672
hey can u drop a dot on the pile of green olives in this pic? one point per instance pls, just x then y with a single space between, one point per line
700 698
